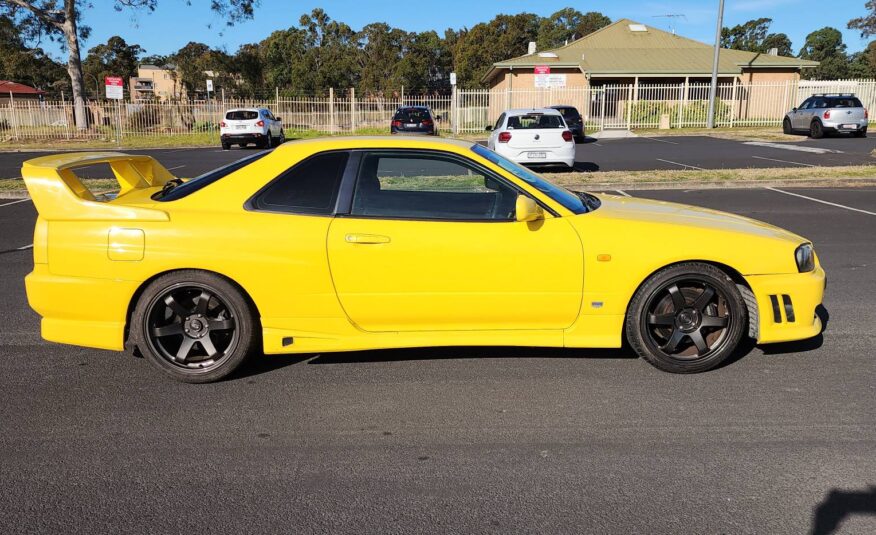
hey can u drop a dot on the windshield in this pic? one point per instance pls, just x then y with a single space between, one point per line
569 200
193 185
535 121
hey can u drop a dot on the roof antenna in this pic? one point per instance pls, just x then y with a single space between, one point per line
671 16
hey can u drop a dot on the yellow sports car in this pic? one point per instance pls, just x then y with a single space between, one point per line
357 243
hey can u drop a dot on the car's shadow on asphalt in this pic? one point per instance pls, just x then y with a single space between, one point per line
268 363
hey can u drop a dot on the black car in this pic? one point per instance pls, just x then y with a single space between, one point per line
413 120
573 120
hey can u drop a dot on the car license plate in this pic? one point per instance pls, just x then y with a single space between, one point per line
240 126
411 125
536 155
850 126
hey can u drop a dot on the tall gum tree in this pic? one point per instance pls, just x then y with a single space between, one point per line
60 19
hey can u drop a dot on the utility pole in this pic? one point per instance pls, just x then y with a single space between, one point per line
713 89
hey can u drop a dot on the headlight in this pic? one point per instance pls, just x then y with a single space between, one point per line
805 257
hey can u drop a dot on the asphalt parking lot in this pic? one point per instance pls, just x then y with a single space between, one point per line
625 154
462 440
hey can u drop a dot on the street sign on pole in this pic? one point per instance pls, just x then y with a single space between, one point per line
453 78
115 87
209 85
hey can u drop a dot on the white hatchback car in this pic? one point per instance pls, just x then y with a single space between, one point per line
533 137
251 125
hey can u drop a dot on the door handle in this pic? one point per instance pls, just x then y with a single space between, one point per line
366 239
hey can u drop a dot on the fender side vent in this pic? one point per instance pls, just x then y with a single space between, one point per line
288 341
777 313
789 307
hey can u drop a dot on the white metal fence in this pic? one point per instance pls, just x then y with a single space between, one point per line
628 106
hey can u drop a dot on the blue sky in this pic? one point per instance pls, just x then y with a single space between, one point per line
174 24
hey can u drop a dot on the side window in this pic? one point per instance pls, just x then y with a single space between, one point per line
310 187
430 186
806 104
499 122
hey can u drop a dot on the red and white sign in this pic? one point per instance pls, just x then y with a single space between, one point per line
115 87
542 69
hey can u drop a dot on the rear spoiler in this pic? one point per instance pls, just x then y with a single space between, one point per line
59 194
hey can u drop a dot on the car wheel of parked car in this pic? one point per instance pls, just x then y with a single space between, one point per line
195 326
816 131
226 146
686 318
786 126
861 133
282 138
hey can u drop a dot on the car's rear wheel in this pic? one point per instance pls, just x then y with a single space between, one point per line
816 131
687 318
786 126
195 326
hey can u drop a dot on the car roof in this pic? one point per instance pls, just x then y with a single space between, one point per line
528 111
563 107
377 142
245 109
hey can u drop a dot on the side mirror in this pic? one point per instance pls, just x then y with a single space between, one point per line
278 118
527 209
488 129
793 109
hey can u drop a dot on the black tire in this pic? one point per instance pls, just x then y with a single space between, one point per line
193 340
861 133
786 126
816 131
282 138
686 318
226 146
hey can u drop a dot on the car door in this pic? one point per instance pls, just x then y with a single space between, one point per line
431 243
798 117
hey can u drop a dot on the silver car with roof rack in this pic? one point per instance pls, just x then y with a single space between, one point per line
827 113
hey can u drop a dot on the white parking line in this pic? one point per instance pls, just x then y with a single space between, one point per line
783 161
15 202
660 140
25 247
790 146
777 190
177 167
681 164
622 192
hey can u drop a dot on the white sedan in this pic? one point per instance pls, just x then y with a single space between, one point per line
533 137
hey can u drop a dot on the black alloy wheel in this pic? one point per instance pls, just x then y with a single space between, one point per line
687 318
816 131
195 326
191 327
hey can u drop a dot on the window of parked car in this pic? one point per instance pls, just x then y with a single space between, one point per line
412 115
806 104
569 114
844 102
499 122
535 121
426 185
242 115
310 187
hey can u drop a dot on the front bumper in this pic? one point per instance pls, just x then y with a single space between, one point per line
786 305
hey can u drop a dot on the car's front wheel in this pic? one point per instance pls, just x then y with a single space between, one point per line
195 326
786 126
687 318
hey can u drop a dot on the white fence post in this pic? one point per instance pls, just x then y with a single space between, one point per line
331 110
352 110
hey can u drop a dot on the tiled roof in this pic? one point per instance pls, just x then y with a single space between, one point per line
15 88
618 49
